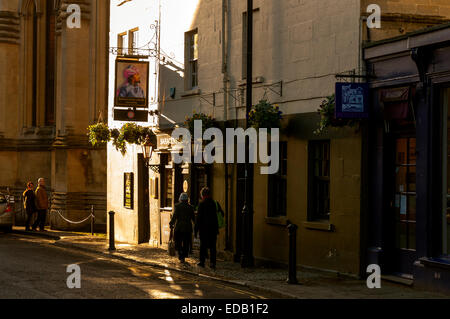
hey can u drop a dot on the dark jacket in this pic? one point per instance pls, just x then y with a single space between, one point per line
207 224
29 201
182 218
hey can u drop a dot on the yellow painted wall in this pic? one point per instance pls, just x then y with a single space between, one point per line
338 250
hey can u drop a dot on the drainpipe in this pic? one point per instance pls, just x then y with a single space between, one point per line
225 114
247 210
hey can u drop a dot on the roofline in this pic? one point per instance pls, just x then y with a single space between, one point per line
433 36
407 35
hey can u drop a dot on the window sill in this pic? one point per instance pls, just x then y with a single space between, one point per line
277 221
323 226
192 92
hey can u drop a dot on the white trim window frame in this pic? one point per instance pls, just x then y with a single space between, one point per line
191 60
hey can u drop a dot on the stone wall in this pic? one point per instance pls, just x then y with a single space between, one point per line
399 17
75 173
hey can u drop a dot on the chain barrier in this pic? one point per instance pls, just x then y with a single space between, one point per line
72 222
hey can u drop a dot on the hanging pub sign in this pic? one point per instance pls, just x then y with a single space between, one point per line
128 190
165 142
352 100
131 84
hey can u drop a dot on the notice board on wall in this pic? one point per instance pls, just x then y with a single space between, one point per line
128 190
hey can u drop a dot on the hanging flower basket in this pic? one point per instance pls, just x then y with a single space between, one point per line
98 134
265 115
328 118
207 122
129 133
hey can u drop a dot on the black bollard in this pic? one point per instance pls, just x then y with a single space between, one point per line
292 229
92 220
111 231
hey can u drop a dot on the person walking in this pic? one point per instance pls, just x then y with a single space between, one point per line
41 205
208 226
181 223
29 204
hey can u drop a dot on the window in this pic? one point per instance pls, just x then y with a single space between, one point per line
134 41
405 192
192 59
122 43
166 196
277 190
169 188
34 66
39 64
50 66
319 181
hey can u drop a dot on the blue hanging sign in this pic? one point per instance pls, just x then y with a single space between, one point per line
352 100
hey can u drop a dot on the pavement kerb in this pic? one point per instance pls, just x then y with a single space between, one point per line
116 255
36 234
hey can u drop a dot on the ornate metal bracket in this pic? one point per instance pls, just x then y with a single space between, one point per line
156 168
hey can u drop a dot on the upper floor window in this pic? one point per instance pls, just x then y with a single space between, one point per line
319 180
134 40
39 63
122 43
191 72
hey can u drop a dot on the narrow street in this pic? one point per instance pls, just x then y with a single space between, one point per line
34 268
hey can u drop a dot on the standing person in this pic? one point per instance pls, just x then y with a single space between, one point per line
182 220
41 205
29 203
208 226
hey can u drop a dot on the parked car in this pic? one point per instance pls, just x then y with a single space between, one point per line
6 212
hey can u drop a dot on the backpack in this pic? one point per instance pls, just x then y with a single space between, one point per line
220 218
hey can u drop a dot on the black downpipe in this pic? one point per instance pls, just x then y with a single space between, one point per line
247 211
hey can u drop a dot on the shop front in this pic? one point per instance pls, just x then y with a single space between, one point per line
408 222
168 180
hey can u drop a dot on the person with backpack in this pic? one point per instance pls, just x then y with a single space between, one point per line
209 220
29 204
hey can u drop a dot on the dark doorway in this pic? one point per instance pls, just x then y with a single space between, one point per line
143 201
200 180
401 192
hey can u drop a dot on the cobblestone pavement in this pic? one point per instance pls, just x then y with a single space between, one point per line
313 284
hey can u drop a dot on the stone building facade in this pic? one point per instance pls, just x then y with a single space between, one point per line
53 85
301 49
